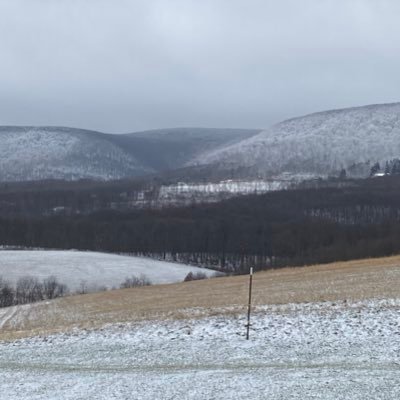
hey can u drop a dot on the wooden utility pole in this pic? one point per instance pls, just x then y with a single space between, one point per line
249 304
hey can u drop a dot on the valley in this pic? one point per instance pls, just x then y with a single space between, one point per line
199 200
311 203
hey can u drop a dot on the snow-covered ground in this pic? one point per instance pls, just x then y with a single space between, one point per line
229 186
184 193
324 351
93 269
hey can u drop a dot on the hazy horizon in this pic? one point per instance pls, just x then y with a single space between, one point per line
166 128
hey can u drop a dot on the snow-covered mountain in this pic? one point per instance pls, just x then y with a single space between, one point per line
322 143
33 153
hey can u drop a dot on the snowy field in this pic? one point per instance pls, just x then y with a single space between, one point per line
324 351
94 269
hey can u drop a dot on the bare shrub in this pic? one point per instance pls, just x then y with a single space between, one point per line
53 289
194 276
134 281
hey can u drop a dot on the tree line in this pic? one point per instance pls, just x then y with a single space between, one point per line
29 289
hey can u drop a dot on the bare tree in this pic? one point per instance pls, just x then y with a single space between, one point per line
28 290
6 294
83 287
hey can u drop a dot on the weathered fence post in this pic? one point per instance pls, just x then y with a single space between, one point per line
249 304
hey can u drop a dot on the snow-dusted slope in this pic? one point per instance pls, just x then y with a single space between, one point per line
320 143
325 351
31 153
93 269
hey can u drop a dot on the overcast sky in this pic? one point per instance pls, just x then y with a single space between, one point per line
126 65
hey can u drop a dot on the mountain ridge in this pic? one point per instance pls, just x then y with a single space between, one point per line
57 152
318 144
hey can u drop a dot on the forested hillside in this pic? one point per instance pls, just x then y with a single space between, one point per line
295 227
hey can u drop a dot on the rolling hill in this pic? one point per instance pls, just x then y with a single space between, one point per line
94 270
357 280
35 153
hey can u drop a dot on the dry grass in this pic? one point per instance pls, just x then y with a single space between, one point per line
354 280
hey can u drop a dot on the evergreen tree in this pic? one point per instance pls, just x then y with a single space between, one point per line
375 169
387 168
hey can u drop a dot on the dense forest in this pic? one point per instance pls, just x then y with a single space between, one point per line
293 227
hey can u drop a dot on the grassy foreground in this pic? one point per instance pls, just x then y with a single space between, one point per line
354 280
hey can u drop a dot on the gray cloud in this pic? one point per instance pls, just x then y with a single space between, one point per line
127 65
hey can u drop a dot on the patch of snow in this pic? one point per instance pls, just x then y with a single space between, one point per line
229 186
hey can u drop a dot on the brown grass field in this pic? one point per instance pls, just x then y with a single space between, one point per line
355 280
